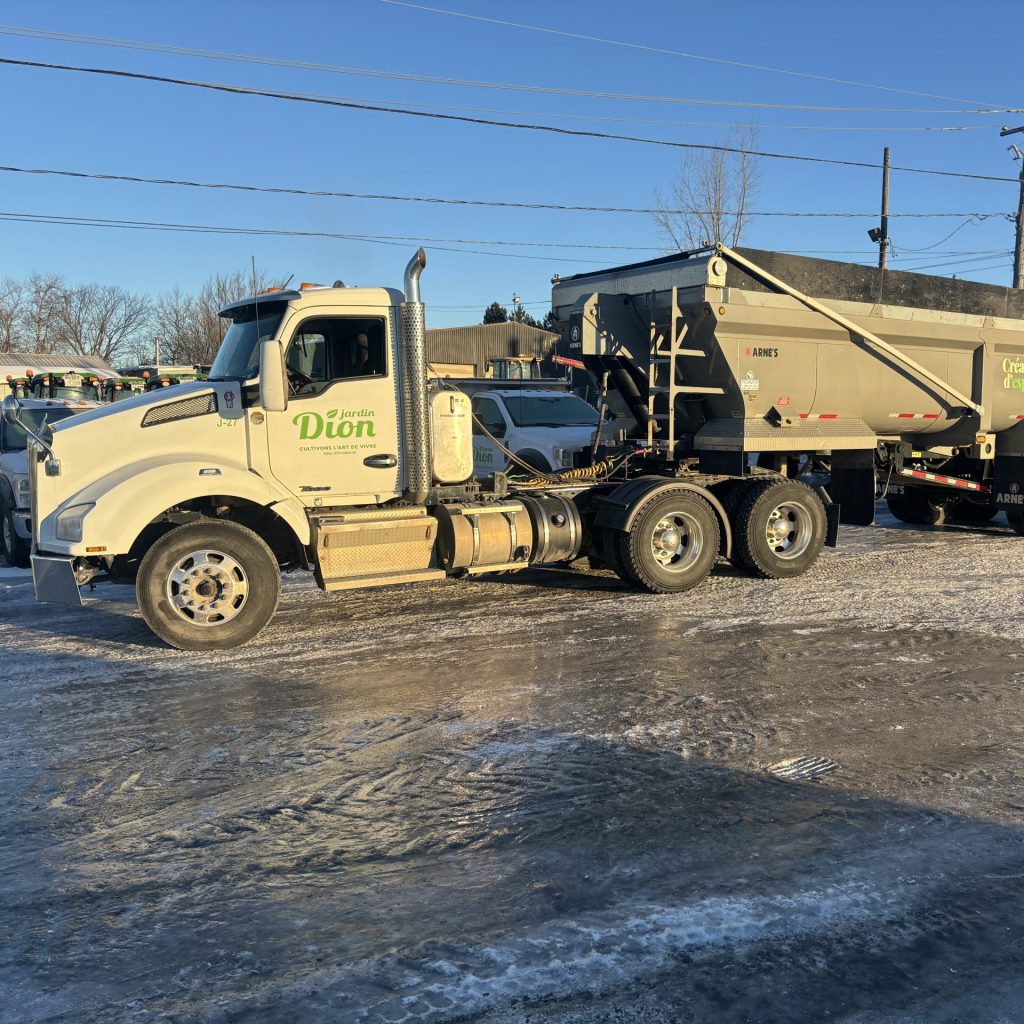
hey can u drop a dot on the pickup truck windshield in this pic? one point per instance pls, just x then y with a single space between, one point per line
15 439
239 355
558 410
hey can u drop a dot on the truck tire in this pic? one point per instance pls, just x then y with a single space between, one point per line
208 585
672 544
14 549
615 543
914 506
1016 520
778 528
971 512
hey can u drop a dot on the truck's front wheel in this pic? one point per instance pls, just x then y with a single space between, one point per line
208 585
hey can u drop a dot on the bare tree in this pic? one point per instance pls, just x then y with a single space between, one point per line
12 307
709 198
99 320
189 328
37 320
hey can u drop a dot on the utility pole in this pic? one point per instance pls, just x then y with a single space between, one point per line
880 235
1018 248
883 245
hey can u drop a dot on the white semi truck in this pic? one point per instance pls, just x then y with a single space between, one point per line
318 443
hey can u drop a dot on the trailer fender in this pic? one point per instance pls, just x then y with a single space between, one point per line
618 509
128 501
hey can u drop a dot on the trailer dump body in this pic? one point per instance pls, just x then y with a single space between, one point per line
723 353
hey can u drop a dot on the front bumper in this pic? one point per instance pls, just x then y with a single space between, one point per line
54 580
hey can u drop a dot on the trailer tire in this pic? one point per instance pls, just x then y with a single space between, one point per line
917 508
671 545
1016 521
208 585
971 512
779 528
12 547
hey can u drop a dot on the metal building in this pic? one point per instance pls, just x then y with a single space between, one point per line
17 363
466 351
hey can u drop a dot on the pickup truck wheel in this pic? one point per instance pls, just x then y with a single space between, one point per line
208 585
14 549
779 528
672 544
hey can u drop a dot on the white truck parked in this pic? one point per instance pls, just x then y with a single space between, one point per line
543 427
15 515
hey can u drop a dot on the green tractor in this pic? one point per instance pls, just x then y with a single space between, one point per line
69 385
117 389
21 387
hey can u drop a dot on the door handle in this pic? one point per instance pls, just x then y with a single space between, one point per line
380 461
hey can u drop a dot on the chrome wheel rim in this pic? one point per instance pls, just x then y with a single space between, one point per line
207 588
677 541
789 530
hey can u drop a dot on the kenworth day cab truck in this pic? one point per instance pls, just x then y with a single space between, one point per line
317 442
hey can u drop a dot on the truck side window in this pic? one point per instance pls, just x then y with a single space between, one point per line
488 413
328 349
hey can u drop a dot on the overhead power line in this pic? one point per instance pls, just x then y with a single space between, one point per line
672 53
449 201
74 220
284 62
378 108
71 220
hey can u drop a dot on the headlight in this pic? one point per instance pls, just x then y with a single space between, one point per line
22 494
69 522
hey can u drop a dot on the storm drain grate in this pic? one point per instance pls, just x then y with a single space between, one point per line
800 769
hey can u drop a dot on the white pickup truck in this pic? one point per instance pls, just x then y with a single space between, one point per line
545 427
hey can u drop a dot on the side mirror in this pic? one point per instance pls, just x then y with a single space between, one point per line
10 408
273 383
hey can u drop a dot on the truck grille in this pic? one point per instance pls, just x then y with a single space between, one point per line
186 408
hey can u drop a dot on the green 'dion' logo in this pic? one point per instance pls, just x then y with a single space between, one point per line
335 424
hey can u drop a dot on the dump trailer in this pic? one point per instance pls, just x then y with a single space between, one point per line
905 385
319 443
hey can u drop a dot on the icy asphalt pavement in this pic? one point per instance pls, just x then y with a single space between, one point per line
538 798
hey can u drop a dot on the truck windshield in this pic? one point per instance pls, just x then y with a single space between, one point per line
550 411
15 439
238 357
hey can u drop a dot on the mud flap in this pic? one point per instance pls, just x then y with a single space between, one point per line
54 580
832 513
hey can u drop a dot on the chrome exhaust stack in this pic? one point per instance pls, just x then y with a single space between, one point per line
414 385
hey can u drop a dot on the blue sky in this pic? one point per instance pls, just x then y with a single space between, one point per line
72 121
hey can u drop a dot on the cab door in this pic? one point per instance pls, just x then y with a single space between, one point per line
338 441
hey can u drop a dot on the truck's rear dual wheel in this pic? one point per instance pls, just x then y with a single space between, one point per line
778 527
208 585
671 546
